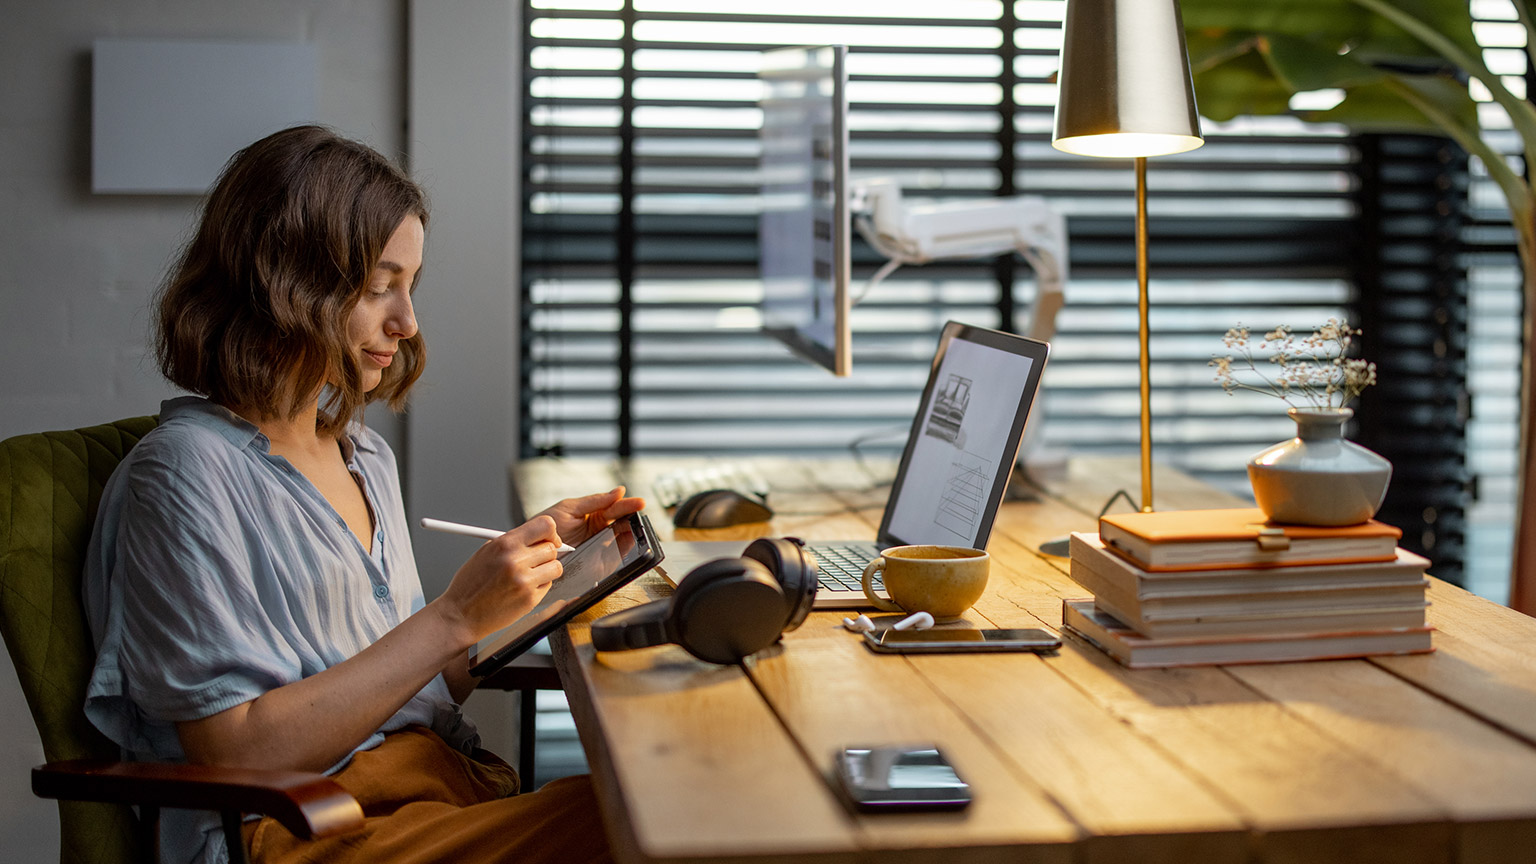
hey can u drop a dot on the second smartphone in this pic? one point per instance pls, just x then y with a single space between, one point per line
954 641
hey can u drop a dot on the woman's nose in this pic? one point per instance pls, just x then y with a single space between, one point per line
402 321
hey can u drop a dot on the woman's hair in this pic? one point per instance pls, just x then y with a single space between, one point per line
254 313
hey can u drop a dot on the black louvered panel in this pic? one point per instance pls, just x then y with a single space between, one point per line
1413 308
1494 353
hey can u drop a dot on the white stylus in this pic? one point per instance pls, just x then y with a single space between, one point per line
472 531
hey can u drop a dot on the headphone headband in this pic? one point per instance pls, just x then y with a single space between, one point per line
637 627
724 610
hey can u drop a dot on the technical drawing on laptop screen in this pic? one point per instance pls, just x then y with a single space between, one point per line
959 446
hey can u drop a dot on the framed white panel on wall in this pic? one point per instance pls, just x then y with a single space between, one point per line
167 114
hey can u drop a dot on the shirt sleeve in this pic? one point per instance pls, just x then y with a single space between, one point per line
194 635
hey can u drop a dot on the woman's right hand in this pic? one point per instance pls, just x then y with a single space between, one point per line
503 580
340 706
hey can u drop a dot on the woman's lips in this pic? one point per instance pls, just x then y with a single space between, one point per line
381 359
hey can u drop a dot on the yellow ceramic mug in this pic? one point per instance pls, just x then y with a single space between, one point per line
943 581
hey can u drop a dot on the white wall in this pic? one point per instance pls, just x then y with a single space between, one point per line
77 270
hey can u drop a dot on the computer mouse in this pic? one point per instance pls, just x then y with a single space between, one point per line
719 508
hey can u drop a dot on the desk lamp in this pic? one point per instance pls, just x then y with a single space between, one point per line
1125 91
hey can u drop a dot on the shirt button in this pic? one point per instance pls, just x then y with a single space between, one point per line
381 591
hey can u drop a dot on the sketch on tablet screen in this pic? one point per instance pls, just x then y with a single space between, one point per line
964 494
948 412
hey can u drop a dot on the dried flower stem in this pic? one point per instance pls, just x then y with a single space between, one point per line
1313 371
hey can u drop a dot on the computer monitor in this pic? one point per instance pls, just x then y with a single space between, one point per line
804 229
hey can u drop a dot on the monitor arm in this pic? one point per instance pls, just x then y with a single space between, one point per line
920 233
917 234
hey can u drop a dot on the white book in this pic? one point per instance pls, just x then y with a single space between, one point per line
1082 618
1310 599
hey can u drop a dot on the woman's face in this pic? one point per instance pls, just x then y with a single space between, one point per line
384 315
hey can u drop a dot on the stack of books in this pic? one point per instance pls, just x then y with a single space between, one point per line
1197 587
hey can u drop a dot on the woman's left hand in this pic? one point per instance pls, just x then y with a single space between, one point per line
576 519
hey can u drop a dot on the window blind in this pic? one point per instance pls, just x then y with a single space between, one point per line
1412 295
640 242
1494 344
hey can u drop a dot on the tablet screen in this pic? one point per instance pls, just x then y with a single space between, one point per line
599 560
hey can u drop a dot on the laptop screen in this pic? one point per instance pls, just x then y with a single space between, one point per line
964 439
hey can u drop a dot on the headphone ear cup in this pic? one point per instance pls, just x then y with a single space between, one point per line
737 610
796 570
701 577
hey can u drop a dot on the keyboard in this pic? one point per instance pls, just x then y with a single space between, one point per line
675 487
840 566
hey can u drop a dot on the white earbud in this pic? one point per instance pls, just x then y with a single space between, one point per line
915 621
859 624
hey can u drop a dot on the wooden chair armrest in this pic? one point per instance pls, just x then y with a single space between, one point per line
524 672
309 805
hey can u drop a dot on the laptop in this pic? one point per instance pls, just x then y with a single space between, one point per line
959 454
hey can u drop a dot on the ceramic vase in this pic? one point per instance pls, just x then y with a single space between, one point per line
1318 477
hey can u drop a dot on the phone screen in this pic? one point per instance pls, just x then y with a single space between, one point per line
967 639
914 777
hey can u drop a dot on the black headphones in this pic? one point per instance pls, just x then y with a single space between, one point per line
724 609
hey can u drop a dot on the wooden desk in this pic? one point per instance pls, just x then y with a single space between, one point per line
1427 758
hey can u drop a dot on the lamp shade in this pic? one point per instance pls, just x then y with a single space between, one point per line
1125 88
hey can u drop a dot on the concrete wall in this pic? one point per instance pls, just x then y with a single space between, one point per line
464 144
77 270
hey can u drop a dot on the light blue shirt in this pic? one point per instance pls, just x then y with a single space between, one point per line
217 572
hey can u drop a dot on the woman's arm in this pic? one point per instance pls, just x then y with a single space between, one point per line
312 723
460 682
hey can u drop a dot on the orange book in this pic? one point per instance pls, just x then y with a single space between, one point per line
1213 539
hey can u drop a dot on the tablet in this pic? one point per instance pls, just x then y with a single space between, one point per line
606 562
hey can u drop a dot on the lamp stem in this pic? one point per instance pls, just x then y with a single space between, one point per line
1142 305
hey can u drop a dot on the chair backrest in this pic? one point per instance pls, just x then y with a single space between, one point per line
50 487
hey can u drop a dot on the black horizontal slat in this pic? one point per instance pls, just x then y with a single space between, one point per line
745 192
661 45
892 306
1153 166
1275 231
770 17
735 75
734 105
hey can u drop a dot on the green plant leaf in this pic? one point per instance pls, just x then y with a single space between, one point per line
1375 108
1250 56
1335 24
1329 20
1208 48
1451 18
1448 95
1243 85
1304 65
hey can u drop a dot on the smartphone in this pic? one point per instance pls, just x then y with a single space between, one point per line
913 777
966 639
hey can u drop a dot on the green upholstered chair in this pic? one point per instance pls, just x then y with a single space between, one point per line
50 487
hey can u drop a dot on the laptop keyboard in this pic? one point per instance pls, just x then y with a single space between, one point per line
841 565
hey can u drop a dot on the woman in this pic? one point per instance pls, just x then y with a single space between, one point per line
250 584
